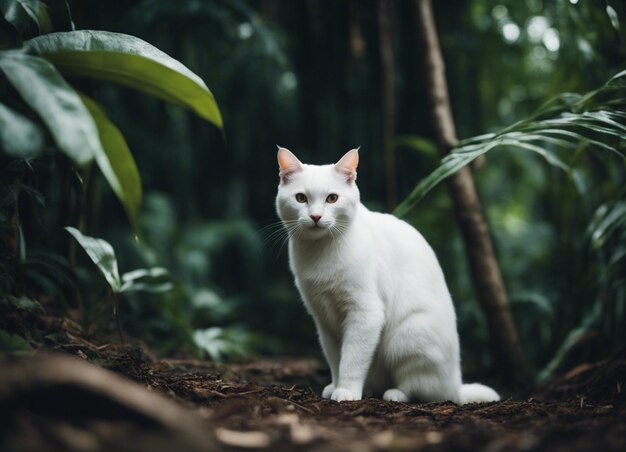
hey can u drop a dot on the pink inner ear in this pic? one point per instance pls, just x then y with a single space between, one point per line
288 164
347 164
286 160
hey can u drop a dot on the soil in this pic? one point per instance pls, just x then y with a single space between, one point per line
274 404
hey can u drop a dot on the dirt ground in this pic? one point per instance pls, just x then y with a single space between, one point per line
274 404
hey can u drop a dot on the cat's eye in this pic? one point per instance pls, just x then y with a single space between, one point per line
332 198
300 197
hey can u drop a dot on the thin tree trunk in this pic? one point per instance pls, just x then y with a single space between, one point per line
357 43
10 228
485 271
385 31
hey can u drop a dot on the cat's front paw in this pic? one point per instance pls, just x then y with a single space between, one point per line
328 391
343 394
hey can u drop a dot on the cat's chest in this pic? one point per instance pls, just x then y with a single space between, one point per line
329 281
328 298
322 267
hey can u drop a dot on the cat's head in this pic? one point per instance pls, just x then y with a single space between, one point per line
315 201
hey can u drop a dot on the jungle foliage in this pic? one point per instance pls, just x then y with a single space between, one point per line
183 206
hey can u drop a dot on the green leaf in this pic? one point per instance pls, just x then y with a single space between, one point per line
14 344
610 11
24 304
56 103
419 144
569 122
129 61
607 219
20 13
535 299
154 280
102 254
219 342
19 136
38 11
116 162
574 337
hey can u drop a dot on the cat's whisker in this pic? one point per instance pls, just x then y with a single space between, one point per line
298 232
337 233
332 235
278 233
274 225
270 230
340 228
275 236
290 233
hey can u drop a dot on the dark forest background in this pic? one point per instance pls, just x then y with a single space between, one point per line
307 75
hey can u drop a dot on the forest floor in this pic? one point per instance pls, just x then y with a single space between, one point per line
51 402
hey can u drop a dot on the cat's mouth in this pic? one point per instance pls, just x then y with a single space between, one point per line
315 229
318 228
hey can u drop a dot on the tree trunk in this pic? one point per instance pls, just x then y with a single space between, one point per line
484 268
357 43
385 31
10 226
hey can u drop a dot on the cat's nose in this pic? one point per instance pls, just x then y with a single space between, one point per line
316 218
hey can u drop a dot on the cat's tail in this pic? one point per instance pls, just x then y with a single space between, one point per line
477 393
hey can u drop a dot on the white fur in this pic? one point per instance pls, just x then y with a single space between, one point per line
375 289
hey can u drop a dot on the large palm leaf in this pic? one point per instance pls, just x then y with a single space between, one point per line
568 123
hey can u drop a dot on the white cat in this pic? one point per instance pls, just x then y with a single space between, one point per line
374 287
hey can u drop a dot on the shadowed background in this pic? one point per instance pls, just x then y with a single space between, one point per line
308 75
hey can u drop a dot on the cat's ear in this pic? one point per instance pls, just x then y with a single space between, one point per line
348 163
288 164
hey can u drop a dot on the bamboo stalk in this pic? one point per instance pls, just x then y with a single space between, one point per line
485 271
385 32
